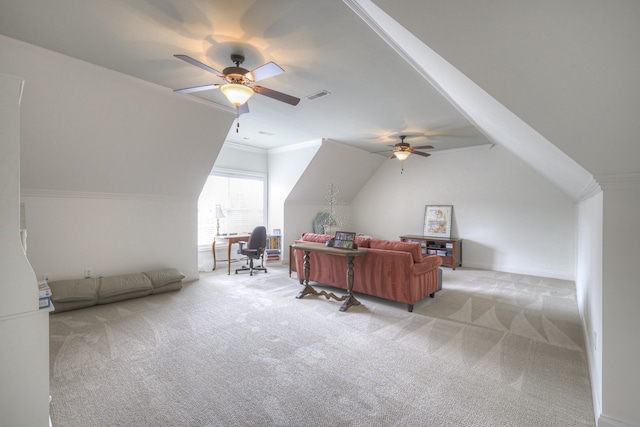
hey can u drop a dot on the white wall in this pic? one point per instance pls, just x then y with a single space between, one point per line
286 166
620 296
111 166
589 286
240 157
335 163
511 218
300 219
110 233
24 327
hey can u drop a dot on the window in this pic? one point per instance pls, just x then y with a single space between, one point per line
242 198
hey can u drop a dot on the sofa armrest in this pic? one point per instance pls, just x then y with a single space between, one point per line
428 263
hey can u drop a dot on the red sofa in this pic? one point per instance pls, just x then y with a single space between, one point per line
395 271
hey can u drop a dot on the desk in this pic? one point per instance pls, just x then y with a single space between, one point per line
349 299
231 239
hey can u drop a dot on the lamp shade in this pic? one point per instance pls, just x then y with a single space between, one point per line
219 213
401 155
237 93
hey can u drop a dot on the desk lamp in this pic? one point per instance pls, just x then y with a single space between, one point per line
219 214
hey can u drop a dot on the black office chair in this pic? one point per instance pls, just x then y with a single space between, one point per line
254 250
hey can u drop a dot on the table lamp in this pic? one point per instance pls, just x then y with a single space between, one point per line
219 214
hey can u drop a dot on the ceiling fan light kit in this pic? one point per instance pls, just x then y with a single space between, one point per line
237 93
401 155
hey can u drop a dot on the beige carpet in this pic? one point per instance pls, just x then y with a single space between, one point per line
492 349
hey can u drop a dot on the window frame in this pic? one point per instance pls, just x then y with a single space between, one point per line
237 173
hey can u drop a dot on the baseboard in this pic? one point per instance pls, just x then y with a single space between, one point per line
604 421
601 420
589 351
538 273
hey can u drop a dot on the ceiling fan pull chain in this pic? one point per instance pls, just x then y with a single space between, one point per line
238 123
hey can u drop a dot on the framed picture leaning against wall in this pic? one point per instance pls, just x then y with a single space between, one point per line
437 221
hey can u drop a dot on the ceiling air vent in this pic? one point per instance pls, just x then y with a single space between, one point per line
317 95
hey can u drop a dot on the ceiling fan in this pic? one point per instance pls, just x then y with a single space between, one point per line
402 149
238 84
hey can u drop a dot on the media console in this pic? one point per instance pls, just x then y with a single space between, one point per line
450 250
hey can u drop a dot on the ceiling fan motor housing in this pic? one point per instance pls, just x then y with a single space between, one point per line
236 74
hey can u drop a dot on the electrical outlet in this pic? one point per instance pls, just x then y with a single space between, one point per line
46 277
88 272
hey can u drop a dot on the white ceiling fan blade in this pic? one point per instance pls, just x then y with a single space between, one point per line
199 64
265 71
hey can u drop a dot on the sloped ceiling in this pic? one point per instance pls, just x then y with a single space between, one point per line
345 167
88 129
569 69
566 69
496 121
322 45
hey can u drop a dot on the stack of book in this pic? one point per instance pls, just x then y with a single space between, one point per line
273 249
44 296
273 254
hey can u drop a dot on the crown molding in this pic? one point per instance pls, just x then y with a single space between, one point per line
247 148
619 181
295 147
590 189
237 173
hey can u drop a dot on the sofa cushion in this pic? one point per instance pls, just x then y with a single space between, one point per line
413 248
164 276
59 307
124 296
174 286
123 286
74 290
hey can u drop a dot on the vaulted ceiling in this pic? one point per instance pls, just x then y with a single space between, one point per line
554 82
374 95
